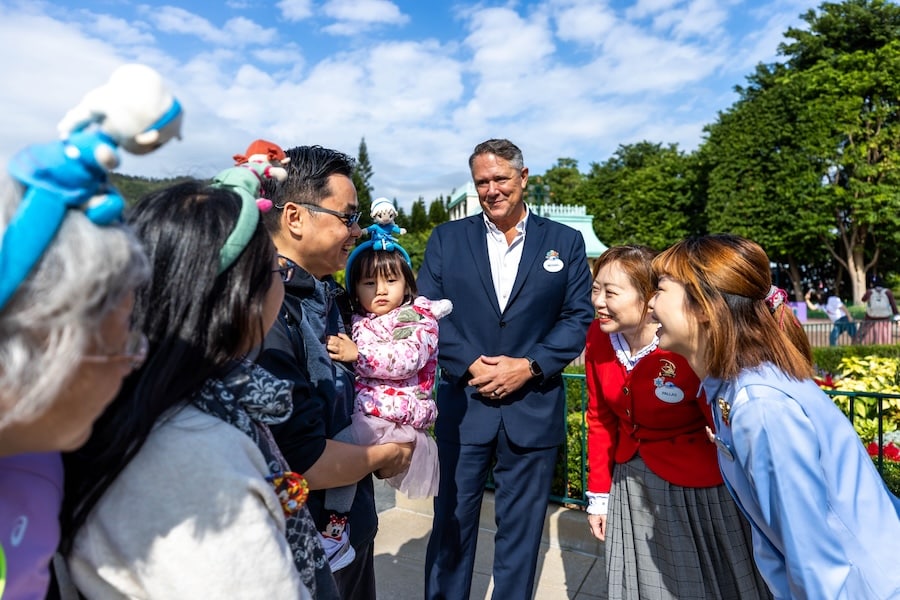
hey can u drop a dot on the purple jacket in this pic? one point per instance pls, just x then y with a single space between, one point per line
31 491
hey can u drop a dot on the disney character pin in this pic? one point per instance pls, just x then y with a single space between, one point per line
552 262
335 526
666 368
291 489
667 391
725 408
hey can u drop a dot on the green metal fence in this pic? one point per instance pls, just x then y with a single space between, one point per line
570 478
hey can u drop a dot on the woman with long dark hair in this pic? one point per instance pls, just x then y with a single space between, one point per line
180 491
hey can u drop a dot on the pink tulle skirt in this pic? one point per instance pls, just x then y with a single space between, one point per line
420 480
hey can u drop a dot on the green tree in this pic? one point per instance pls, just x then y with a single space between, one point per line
564 180
133 188
831 172
760 181
362 177
645 194
437 211
418 217
858 98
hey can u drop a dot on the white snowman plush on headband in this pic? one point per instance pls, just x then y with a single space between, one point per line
134 111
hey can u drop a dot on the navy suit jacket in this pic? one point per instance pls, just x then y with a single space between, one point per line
546 319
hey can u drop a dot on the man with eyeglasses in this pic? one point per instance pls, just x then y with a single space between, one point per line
315 225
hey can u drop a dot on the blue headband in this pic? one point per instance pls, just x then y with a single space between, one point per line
382 245
167 117
55 182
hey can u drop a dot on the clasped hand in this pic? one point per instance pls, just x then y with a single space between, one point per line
498 376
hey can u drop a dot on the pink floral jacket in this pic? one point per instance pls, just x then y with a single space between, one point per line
397 362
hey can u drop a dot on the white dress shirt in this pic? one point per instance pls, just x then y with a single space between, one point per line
504 258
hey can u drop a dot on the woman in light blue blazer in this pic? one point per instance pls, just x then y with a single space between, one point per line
824 524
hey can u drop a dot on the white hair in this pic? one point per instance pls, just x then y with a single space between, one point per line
47 324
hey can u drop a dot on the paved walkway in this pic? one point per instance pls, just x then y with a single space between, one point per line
570 565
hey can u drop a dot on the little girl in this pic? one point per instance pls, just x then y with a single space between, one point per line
394 345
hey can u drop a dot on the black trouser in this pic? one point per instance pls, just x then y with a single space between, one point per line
356 581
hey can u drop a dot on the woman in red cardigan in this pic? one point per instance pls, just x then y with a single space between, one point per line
656 495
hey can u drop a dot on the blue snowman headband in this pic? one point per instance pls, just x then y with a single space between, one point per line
54 185
380 245
59 176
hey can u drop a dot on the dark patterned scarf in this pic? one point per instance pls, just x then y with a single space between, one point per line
250 399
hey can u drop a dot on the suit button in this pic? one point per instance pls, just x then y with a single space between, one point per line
627 412
502 323
625 390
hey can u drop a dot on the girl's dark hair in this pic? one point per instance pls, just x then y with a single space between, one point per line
372 263
197 323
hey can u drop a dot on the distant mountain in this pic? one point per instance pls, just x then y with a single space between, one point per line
134 188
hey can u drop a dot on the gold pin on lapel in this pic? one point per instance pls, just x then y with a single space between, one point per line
725 408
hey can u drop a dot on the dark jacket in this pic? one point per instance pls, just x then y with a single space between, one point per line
294 349
546 319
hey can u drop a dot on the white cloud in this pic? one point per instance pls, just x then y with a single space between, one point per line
121 32
585 23
649 8
238 31
244 32
295 10
701 18
571 78
523 44
282 54
172 19
356 16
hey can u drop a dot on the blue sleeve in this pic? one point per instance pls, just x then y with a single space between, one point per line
779 450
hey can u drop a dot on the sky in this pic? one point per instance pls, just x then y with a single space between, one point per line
422 81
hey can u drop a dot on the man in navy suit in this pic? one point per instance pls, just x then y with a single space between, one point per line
520 288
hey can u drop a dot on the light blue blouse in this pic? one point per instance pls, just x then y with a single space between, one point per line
824 524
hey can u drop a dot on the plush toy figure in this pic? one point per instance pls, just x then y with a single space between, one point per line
264 152
265 160
134 110
383 229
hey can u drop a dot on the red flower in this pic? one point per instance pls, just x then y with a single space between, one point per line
825 382
891 452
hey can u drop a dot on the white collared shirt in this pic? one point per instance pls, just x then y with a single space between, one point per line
504 258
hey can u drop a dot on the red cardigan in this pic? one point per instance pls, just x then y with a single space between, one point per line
653 410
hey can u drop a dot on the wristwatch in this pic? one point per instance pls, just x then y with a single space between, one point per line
535 368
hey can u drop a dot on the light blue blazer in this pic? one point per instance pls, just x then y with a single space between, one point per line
824 524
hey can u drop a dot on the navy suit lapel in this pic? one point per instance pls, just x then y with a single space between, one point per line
535 232
477 237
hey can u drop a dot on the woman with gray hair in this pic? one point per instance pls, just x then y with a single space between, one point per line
66 344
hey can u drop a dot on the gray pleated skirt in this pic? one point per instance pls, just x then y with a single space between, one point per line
664 541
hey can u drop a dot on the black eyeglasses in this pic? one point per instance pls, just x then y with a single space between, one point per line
286 267
348 218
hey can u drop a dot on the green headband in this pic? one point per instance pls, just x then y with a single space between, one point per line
240 235
244 181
